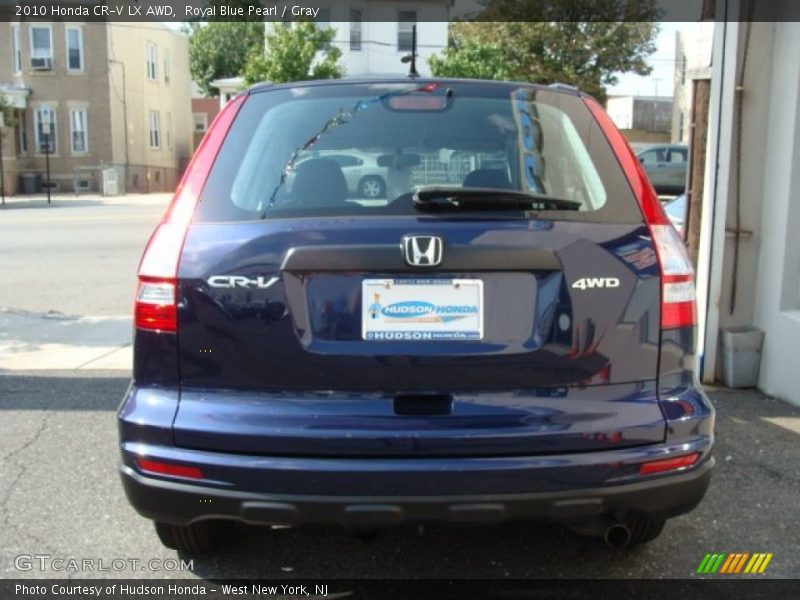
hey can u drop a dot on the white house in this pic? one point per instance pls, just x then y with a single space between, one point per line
373 35
749 256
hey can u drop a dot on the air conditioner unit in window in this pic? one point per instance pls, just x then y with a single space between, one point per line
42 64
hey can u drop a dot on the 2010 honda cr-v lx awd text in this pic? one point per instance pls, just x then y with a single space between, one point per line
507 333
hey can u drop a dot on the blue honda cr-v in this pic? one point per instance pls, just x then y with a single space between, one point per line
507 332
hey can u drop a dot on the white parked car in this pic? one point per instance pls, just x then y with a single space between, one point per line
365 177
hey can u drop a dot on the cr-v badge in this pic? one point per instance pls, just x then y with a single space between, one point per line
240 281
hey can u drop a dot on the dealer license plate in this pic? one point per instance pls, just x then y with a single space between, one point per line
421 309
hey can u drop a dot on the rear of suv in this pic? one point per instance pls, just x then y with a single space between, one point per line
507 333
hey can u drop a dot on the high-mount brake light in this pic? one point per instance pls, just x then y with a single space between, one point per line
677 274
156 306
418 103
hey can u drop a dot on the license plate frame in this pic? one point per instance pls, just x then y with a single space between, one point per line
422 309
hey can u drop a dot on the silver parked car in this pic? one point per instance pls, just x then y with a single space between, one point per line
665 165
676 212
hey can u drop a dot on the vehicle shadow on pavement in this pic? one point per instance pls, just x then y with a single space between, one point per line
83 390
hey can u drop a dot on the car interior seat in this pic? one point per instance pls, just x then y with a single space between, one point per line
487 178
319 181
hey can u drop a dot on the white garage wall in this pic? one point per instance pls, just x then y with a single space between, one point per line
777 310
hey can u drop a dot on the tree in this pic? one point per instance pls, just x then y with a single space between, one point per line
580 42
295 53
8 112
221 49
472 59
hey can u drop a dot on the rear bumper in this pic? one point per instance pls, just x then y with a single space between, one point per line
184 502
286 487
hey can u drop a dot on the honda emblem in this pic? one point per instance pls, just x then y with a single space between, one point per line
423 250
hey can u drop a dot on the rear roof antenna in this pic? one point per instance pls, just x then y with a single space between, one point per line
412 58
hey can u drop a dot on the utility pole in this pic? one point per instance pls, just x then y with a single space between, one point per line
698 144
2 173
655 80
698 140
124 116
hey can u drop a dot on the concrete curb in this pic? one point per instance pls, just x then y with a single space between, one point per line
44 341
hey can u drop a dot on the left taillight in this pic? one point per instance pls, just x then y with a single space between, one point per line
156 305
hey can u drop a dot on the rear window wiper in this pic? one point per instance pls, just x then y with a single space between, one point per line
455 198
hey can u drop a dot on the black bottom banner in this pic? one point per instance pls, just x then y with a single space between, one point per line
674 589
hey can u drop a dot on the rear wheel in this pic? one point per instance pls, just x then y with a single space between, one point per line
643 528
372 187
196 538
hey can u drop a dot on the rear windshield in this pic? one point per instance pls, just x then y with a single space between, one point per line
364 149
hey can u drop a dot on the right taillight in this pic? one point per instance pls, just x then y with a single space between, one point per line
156 306
677 278
677 274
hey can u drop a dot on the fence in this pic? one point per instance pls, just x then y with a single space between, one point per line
452 168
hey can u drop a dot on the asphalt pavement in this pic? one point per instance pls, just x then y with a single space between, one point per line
66 281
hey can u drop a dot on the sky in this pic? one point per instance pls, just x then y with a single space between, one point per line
660 81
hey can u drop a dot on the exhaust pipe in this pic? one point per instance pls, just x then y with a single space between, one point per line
617 536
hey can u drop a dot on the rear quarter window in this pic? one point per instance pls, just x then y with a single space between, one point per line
343 149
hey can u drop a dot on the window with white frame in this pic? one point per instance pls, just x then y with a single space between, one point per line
41 46
16 50
355 30
200 122
168 130
75 48
155 129
22 134
77 127
405 23
323 19
46 138
152 60
166 66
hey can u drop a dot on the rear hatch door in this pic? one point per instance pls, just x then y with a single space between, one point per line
368 328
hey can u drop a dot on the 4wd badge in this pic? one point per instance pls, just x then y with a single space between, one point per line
587 283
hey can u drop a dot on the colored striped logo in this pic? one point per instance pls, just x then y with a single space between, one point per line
734 563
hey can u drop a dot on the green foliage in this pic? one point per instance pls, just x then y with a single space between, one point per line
471 59
220 49
579 42
290 54
9 114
